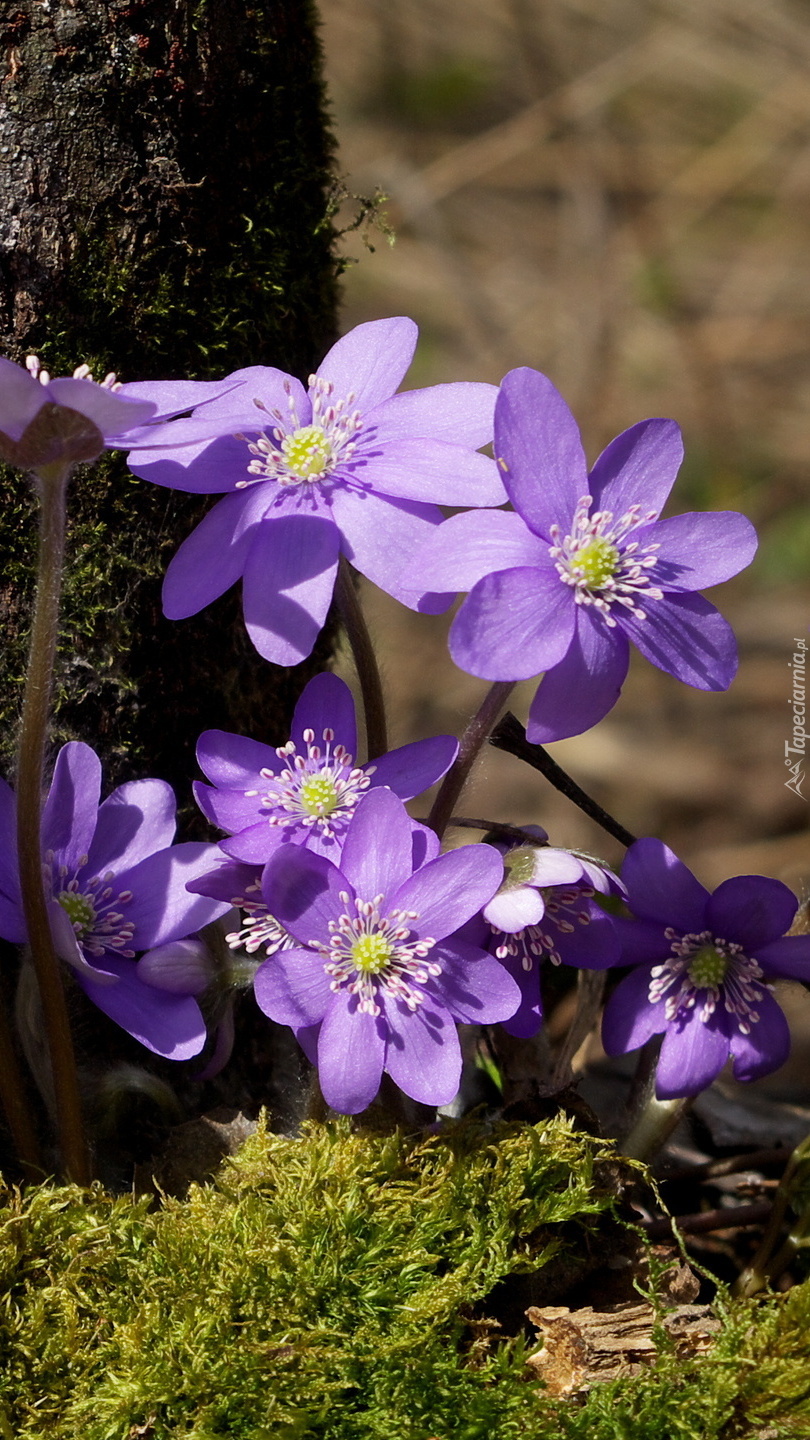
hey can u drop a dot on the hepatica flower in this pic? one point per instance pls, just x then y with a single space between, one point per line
116 887
584 566
379 967
306 791
72 419
345 466
703 967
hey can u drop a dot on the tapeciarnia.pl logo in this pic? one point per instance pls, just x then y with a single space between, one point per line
795 748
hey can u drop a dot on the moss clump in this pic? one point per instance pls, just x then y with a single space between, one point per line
334 1287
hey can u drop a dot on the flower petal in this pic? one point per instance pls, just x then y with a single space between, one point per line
234 762
21 398
374 529
137 819
578 692
161 908
370 362
289 580
513 624
475 987
213 556
751 910
661 888
292 987
631 1018
168 1025
423 1055
377 850
638 468
513 909
256 844
326 703
448 891
461 413
685 636
766 1047
431 471
692 1055
538 446
413 768
71 809
351 1055
467 547
698 550
789 957
303 891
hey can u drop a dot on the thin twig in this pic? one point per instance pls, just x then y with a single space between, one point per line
354 621
478 731
510 735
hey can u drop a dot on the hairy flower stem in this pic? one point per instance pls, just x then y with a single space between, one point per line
653 1127
474 738
767 1266
354 621
51 485
510 735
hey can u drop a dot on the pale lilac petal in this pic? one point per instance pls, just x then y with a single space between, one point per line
449 890
789 957
434 472
413 768
513 624
326 703
370 362
766 1047
461 413
687 637
162 908
751 910
698 550
377 851
351 1055
228 880
69 816
579 691
551 866
212 558
234 762
661 888
512 910
467 547
538 445
638 468
303 891
631 1018
292 987
692 1055
206 467
109 412
168 1025
230 810
423 1055
381 537
289 581
21 398
173 397
475 987
137 819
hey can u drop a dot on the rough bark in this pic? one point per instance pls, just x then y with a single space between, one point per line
164 211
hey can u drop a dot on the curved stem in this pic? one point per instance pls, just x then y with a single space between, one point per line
351 613
30 781
474 737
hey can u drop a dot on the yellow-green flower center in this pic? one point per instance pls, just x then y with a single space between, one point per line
597 561
318 795
79 909
307 452
708 968
372 953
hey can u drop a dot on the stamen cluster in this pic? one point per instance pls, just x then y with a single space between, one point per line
91 905
704 968
295 453
371 952
319 789
601 568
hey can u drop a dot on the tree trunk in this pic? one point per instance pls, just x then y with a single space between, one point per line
164 212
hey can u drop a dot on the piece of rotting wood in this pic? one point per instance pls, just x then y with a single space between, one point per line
586 1347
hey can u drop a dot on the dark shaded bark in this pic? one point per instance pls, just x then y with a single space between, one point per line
164 211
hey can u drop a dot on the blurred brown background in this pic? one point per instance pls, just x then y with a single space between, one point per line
616 192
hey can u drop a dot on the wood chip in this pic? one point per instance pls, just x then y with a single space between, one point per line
585 1347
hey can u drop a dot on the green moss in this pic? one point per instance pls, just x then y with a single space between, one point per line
337 1286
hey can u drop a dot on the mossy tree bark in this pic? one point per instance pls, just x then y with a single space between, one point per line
164 211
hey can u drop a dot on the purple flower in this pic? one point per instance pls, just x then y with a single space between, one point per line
72 419
544 910
380 969
116 886
344 467
702 970
585 566
306 791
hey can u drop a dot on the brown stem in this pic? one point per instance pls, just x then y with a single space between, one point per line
30 783
475 736
354 621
